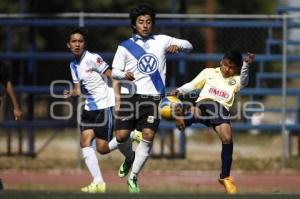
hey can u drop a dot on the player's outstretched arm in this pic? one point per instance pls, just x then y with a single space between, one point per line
179 45
174 49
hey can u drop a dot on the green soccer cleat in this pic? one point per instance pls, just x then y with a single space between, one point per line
125 167
133 186
94 188
137 137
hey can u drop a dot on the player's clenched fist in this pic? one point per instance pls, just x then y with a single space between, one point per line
249 58
173 49
129 76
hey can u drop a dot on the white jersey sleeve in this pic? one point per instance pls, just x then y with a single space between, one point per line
197 83
97 64
183 45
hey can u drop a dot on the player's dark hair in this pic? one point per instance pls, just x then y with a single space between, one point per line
139 10
235 57
79 30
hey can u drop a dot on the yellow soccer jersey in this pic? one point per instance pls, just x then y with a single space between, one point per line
215 87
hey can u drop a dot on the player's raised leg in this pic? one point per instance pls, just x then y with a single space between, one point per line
141 155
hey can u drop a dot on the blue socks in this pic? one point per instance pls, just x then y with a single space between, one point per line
189 119
226 157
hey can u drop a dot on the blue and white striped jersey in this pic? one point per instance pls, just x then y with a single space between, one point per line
146 58
93 83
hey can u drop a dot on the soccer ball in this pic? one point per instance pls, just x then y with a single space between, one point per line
165 107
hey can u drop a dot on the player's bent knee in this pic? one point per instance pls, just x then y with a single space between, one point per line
122 136
148 135
84 144
121 139
227 140
102 150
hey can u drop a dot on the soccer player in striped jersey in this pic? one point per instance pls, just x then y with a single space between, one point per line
218 89
140 64
91 77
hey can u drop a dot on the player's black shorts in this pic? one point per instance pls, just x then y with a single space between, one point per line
213 113
138 112
101 121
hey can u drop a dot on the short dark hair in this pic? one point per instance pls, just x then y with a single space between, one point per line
235 57
79 30
139 10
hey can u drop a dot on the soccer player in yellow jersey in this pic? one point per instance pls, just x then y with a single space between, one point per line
218 89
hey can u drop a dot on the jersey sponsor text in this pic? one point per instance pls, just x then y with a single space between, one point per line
219 93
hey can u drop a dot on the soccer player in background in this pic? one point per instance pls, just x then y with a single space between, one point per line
218 89
91 77
140 64
5 80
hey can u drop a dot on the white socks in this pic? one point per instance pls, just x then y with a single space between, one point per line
142 153
132 134
113 144
91 162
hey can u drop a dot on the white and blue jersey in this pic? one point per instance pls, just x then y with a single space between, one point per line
93 83
146 58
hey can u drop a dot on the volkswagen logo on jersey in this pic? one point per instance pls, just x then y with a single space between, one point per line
148 64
